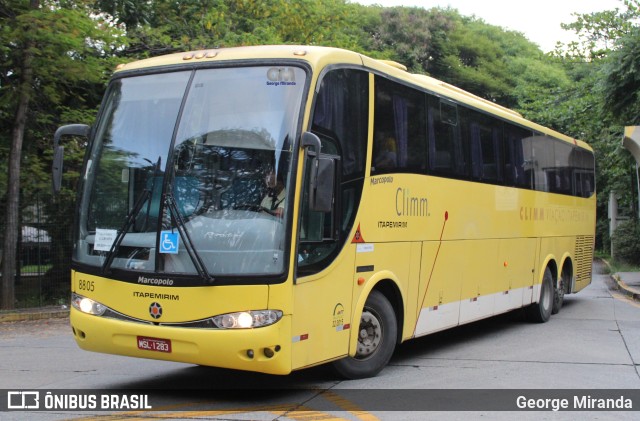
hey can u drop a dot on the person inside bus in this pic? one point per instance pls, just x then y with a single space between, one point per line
273 202
385 154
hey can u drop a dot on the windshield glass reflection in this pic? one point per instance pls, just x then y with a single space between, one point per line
228 172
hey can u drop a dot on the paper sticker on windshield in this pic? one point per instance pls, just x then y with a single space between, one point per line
104 239
169 242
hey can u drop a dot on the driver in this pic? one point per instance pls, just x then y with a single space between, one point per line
276 193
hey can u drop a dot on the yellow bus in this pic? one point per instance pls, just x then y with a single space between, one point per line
279 207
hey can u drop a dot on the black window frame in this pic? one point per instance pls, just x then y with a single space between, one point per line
516 148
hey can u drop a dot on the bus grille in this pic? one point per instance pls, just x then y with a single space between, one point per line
199 324
584 257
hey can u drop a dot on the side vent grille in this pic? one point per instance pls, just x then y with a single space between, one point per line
584 257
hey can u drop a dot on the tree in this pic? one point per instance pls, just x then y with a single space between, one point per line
621 84
47 48
599 31
463 51
163 26
601 95
23 96
412 36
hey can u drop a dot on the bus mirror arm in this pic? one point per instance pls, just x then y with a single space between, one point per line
56 168
322 177
58 150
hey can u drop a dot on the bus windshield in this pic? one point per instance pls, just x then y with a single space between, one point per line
192 166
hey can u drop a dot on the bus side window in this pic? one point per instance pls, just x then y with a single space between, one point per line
543 162
484 135
447 151
562 155
583 166
518 171
399 131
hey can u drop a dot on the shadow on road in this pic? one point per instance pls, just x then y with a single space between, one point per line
321 377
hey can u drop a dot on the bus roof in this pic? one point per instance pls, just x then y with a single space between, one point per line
311 54
318 57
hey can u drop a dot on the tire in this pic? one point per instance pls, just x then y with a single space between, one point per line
377 336
558 294
540 312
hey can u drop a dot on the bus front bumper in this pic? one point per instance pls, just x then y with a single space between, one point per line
265 350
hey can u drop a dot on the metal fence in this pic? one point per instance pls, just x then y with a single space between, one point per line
38 281
42 275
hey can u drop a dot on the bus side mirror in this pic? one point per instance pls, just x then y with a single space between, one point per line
58 150
322 177
322 182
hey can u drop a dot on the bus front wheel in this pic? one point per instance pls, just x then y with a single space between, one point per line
540 312
377 335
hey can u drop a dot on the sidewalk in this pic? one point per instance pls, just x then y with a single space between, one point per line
34 313
628 283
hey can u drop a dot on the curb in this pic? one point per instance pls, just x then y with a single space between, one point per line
624 288
619 285
35 314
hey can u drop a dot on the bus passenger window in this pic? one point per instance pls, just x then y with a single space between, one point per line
399 129
582 165
447 151
518 160
562 156
485 137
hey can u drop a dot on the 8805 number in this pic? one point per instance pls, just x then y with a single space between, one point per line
86 285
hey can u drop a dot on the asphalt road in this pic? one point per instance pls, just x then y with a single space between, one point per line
593 343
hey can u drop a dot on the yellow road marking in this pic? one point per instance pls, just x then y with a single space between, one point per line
291 411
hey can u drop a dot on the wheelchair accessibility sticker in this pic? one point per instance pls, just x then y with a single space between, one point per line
169 242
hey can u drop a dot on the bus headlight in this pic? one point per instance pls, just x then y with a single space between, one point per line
87 305
247 319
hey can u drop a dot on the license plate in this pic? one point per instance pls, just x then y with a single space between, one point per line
154 344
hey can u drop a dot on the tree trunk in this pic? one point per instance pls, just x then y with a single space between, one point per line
13 182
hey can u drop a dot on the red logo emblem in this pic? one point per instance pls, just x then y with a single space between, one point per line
155 310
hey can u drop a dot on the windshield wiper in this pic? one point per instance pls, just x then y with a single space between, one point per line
170 203
131 218
146 194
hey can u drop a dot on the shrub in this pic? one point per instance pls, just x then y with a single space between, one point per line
626 242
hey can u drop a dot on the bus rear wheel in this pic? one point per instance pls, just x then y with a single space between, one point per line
377 336
558 294
540 312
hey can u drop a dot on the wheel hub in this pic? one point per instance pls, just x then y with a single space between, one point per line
370 335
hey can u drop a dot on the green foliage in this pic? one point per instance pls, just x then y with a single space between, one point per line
479 63
621 86
54 56
599 31
192 25
595 99
129 13
71 54
412 36
626 242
